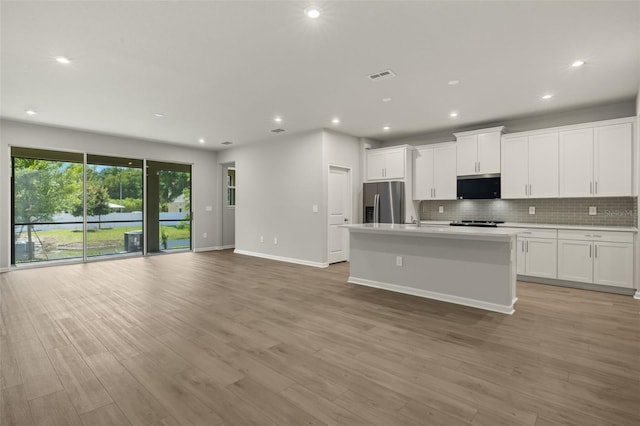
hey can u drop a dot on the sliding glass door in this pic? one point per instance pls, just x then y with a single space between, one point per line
169 206
47 203
73 206
114 206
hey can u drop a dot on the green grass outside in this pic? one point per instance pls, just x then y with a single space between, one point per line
100 241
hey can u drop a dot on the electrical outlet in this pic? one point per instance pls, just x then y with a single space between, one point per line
262 238
204 235
441 209
275 241
532 210
593 210
398 260
208 208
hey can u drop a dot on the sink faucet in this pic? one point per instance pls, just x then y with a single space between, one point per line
416 222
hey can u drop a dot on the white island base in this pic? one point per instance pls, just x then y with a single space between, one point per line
472 267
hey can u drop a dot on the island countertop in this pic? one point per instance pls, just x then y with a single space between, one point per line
445 231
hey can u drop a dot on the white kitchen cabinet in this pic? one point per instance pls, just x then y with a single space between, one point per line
612 160
530 166
386 164
576 163
596 161
575 260
613 264
435 172
478 152
537 253
604 258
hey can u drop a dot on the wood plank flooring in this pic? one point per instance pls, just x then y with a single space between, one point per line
222 339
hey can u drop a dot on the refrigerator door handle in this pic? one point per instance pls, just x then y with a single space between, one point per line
376 206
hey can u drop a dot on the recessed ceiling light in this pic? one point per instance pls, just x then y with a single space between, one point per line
453 82
453 114
386 128
547 96
30 111
386 99
278 119
578 63
158 114
201 140
63 60
312 12
336 121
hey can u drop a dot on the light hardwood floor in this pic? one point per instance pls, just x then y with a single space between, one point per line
223 339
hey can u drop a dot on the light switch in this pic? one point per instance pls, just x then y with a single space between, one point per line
208 208
593 211
532 210
315 208
398 260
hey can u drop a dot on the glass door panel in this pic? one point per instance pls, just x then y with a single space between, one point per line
114 206
169 201
47 206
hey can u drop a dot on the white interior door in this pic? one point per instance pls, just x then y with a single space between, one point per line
339 207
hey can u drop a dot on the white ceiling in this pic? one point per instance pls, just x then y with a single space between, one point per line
223 70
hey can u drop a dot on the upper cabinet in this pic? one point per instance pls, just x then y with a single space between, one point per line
596 161
478 152
530 166
386 163
434 172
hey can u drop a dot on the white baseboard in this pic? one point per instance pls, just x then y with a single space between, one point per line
5 270
637 295
214 248
503 309
282 259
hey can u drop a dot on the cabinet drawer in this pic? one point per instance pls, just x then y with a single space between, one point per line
537 233
618 237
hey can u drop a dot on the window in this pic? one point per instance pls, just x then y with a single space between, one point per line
231 187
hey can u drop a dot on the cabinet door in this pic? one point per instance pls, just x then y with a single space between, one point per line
612 160
613 264
543 166
576 163
541 254
521 256
489 152
575 260
375 165
515 165
423 174
445 185
467 155
394 164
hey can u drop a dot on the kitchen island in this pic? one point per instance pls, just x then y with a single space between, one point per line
468 266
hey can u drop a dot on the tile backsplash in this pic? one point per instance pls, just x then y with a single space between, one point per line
613 211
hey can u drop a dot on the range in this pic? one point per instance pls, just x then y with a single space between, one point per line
480 223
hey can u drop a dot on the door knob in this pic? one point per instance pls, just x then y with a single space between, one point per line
346 220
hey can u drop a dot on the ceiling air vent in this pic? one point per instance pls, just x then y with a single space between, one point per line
278 130
381 75
226 143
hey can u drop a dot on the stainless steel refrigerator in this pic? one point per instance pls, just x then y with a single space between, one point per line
383 202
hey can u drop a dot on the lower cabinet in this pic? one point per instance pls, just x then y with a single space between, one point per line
537 253
604 258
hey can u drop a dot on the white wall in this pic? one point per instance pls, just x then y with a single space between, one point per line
278 182
204 175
